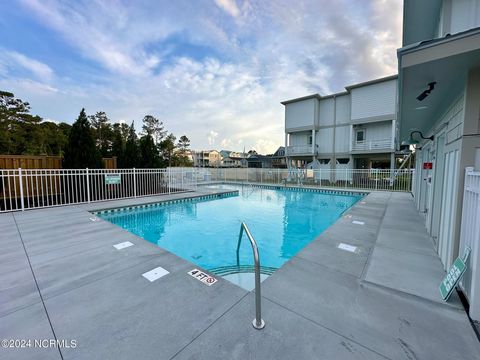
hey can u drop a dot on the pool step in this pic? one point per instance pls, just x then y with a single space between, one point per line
235 269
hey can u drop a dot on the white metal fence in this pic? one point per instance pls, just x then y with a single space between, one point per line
470 237
362 179
28 189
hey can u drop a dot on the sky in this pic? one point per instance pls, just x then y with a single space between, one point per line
214 70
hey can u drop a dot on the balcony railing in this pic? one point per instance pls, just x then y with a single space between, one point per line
299 150
367 145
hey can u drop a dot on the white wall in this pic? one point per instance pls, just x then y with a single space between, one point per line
326 112
451 124
374 100
342 139
299 138
343 109
376 131
342 104
301 113
465 15
325 141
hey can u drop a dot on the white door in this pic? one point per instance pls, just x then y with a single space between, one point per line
449 201
439 171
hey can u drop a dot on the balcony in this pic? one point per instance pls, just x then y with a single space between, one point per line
372 145
299 150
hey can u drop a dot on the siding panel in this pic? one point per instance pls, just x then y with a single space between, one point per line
374 100
300 114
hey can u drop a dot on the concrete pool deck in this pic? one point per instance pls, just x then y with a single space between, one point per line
61 278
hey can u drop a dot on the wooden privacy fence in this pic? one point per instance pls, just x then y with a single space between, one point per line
30 162
43 162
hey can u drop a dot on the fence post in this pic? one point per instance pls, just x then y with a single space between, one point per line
21 188
195 171
88 185
169 180
134 183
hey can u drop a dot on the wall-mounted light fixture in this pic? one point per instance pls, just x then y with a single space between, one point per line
412 141
427 92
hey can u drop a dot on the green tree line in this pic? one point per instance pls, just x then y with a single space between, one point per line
88 139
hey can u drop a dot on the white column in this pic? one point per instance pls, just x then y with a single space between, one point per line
350 146
287 160
392 167
313 144
393 133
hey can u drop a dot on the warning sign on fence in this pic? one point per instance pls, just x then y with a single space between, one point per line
113 179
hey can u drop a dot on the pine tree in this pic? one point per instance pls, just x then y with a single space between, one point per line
17 126
183 144
149 157
181 158
80 151
153 127
167 148
102 132
118 144
131 154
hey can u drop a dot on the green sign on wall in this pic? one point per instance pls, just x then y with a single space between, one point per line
453 275
113 179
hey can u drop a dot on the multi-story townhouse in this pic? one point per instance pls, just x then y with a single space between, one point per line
206 158
351 129
233 159
439 108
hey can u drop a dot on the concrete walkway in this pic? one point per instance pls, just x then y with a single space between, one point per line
61 278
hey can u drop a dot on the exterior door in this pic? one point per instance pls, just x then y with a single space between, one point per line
439 171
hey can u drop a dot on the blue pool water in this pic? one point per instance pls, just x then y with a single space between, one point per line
205 232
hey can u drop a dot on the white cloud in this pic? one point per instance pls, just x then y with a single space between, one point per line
28 86
266 52
14 60
229 6
211 136
265 146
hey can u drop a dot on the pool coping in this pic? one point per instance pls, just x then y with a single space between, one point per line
293 329
213 196
307 188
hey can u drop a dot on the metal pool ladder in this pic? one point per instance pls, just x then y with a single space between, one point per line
258 322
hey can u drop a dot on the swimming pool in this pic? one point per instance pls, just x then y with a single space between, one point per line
205 231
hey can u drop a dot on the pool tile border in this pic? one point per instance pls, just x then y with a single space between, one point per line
297 188
169 202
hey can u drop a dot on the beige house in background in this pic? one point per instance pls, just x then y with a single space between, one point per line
206 158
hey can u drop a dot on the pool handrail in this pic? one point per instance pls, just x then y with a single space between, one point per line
258 322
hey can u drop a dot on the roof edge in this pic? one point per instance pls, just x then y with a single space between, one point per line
347 88
371 82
